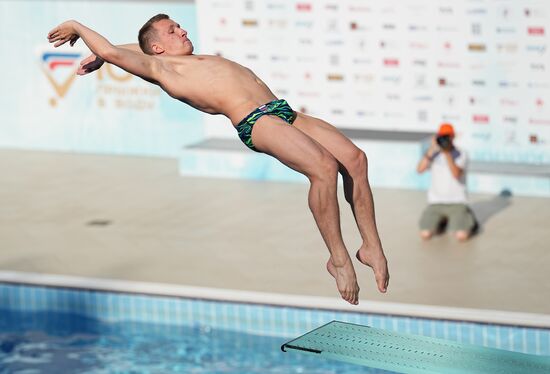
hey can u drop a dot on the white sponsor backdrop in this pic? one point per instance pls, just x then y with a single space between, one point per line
399 65
45 106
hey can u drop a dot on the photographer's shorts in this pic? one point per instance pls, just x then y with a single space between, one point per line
459 217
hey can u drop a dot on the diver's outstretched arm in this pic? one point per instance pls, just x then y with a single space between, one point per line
93 63
137 63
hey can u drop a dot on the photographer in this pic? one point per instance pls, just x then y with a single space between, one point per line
447 193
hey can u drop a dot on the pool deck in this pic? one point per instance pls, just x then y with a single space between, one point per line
136 219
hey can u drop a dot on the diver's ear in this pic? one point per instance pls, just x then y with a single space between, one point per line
157 48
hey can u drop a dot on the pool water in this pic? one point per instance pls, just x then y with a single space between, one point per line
46 342
69 330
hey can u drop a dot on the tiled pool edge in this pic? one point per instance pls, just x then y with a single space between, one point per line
282 300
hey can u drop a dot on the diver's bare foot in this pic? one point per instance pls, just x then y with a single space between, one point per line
346 281
374 257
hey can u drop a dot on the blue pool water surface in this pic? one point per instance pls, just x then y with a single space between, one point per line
64 330
36 342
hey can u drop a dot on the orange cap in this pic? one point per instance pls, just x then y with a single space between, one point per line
446 129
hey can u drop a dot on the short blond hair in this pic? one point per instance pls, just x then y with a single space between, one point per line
147 33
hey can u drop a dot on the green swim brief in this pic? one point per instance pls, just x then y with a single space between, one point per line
279 108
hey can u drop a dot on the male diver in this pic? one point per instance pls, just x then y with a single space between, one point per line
264 123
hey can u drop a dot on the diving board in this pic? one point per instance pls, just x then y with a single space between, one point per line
407 353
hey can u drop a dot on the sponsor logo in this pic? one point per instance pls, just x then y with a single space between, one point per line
536 48
308 94
393 97
534 13
360 9
222 4
484 136
391 44
305 41
480 118
304 24
279 75
418 45
421 63
389 26
474 47
251 57
539 121
335 77
334 59
337 112
393 115
448 65
535 139
508 84
303 7
445 82
332 7
362 61
507 47
506 30
279 58
450 117
391 62
476 28
445 28
535 31
388 10
423 99
537 67
250 22
475 101
539 103
277 23
306 59
223 39
276 6
334 42
476 11
508 102
420 81
422 115
540 85
60 70
363 113
512 120
450 100
395 79
417 28
477 66
478 83
447 10
363 78
504 12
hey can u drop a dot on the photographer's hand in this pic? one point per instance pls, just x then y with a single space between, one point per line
434 148
426 159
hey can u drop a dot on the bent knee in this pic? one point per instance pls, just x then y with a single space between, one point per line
326 168
356 163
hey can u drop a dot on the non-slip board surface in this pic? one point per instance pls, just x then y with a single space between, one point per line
407 353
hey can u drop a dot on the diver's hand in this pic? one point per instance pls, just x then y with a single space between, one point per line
90 64
63 33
